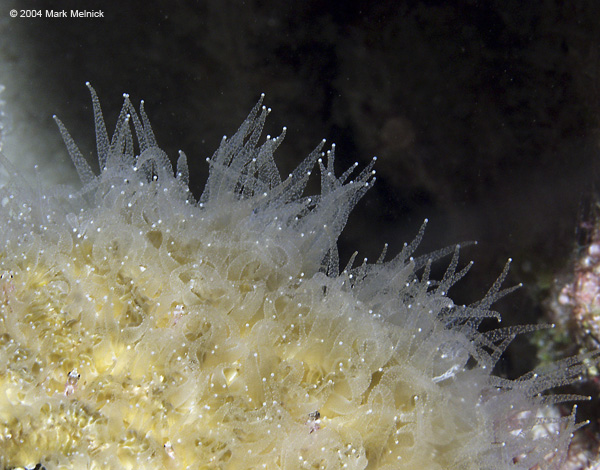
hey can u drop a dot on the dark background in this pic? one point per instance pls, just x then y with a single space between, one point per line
484 115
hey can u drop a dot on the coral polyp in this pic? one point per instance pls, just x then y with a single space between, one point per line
140 328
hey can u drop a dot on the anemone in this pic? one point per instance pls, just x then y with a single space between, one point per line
140 328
